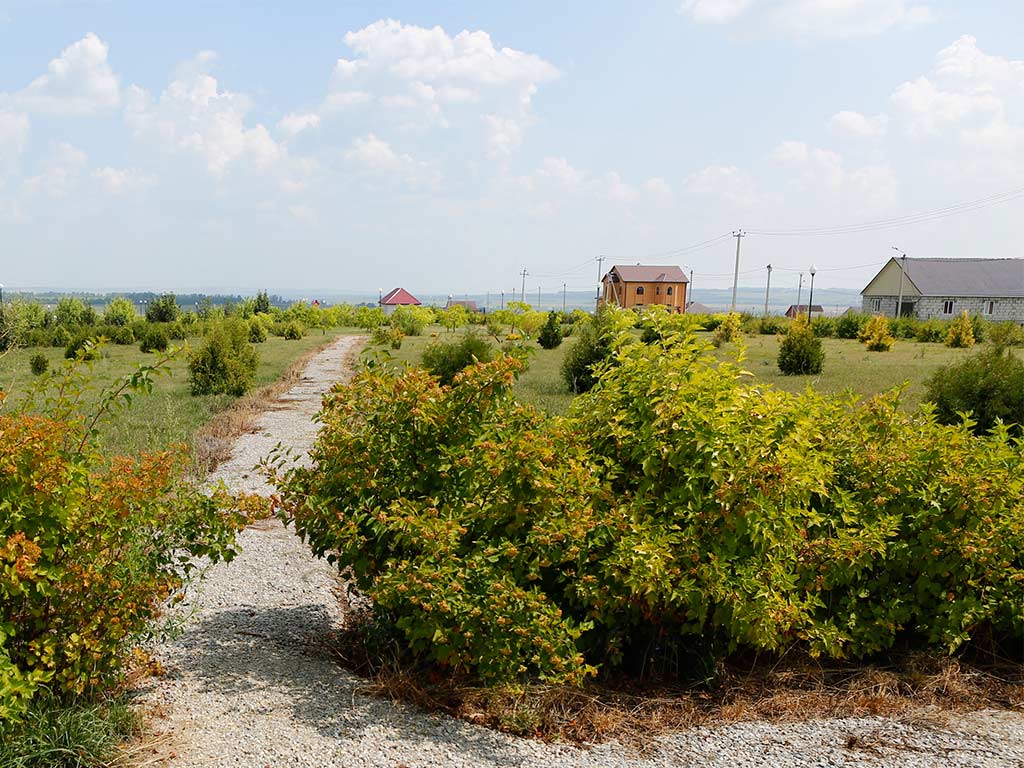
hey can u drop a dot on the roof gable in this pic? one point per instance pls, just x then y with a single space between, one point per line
399 296
641 273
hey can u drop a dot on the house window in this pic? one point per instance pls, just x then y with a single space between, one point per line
657 290
876 305
668 291
947 307
989 307
639 290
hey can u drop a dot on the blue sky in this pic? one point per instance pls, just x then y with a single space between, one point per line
445 146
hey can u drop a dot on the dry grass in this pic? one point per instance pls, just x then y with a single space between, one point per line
214 440
917 687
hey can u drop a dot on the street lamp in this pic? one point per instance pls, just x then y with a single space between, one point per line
903 271
380 296
810 298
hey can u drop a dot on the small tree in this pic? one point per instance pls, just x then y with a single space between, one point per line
876 334
801 352
961 332
551 333
164 309
226 362
729 330
262 304
446 359
453 317
120 312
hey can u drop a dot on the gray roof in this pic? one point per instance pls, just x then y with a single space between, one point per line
967 277
639 273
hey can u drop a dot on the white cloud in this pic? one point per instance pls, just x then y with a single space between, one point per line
304 213
558 179
811 18
293 124
78 82
858 125
375 157
815 165
727 183
193 114
61 172
14 129
438 79
973 96
118 181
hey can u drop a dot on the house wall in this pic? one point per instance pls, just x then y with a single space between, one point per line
625 295
887 282
930 307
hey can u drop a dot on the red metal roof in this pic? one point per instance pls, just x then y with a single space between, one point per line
399 296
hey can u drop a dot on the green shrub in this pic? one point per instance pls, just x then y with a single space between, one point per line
876 334
120 311
92 548
387 336
123 336
849 325
1006 334
225 363
801 352
551 333
163 309
592 347
446 359
989 385
412 321
293 331
261 305
979 327
728 330
931 331
39 364
178 331
154 339
771 325
257 331
674 507
824 327
61 337
961 332
906 328
82 344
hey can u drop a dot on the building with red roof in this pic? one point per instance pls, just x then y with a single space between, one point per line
399 297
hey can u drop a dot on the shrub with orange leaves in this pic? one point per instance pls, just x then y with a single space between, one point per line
91 549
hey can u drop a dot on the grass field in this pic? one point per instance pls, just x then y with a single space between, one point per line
848 367
170 414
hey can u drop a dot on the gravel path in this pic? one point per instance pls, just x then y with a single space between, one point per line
249 684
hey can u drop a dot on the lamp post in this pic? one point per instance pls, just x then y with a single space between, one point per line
903 271
380 296
767 288
810 298
1 294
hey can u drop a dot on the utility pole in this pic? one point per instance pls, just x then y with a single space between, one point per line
799 290
487 304
767 288
600 275
522 291
563 297
688 293
903 271
538 298
502 299
739 235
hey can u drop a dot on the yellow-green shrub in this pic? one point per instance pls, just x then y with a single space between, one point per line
876 335
961 332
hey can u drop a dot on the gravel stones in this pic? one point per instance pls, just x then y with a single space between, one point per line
250 681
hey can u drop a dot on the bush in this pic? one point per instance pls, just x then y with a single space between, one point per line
728 330
979 327
988 385
257 331
801 352
931 331
593 346
771 325
551 333
91 547
675 509
961 332
82 345
293 331
412 321
876 334
164 309
61 337
120 311
445 359
386 335
849 325
39 364
123 336
1005 334
225 363
905 328
154 339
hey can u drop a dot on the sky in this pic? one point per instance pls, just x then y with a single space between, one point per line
448 146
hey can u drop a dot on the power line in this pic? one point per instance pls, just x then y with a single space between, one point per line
899 221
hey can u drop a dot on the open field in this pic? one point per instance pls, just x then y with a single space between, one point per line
848 367
170 414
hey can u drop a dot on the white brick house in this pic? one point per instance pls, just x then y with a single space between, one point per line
943 288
